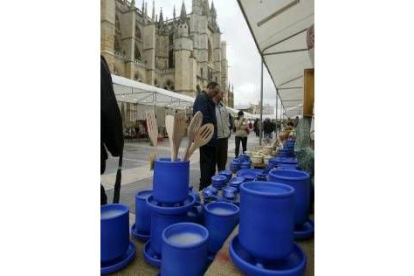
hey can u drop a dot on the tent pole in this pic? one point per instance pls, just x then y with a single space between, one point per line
261 104
276 114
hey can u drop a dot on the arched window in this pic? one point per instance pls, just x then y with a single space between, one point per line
137 54
210 52
136 76
137 32
171 63
117 44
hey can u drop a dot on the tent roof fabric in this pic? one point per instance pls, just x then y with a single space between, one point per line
127 90
279 28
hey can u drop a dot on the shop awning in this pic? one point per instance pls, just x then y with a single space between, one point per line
279 29
127 90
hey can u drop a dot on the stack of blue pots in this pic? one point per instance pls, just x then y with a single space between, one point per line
219 181
142 226
117 250
169 203
236 182
227 174
235 165
265 243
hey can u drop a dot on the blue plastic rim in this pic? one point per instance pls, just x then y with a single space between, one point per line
236 181
293 265
114 231
142 212
219 179
300 181
168 189
157 207
184 249
267 217
107 268
185 235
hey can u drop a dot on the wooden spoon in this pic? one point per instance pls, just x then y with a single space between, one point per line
193 128
152 128
178 132
169 125
204 135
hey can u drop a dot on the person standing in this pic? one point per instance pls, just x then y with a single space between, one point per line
241 132
267 129
223 131
204 103
256 127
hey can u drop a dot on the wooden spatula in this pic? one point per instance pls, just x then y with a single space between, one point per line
169 125
178 132
193 128
203 136
152 127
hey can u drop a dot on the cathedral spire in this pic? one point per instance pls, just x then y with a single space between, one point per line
153 10
183 15
161 19
213 9
143 7
132 7
174 13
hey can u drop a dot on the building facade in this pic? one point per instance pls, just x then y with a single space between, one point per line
182 54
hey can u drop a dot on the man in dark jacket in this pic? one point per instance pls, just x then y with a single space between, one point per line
112 138
204 103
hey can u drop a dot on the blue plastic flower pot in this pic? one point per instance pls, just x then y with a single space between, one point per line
171 180
234 165
218 181
227 174
158 223
283 161
184 250
114 231
220 218
142 212
266 220
300 181
230 189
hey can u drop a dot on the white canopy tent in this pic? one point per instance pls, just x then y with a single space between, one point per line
279 29
127 90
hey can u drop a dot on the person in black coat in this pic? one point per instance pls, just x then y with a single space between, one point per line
112 138
204 103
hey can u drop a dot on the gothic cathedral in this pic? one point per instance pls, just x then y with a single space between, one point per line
181 54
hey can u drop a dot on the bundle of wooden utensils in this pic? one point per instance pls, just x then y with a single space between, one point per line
198 135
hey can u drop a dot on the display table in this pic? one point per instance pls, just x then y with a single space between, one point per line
221 266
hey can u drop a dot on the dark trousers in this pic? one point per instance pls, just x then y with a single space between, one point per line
103 196
244 144
207 165
221 153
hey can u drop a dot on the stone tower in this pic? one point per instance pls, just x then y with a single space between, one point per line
185 65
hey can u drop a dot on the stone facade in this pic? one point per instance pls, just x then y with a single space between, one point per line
181 54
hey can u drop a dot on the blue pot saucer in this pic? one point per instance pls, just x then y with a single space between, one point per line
171 210
150 256
139 236
305 231
294 265
120 263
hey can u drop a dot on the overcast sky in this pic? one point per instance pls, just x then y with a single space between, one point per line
242 54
